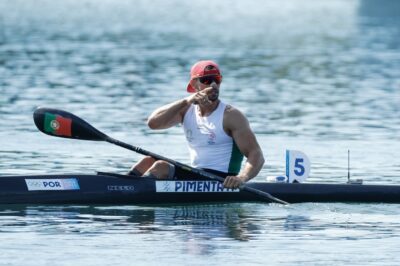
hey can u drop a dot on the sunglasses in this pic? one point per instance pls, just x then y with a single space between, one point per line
207 80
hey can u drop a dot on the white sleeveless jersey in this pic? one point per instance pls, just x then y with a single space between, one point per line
209 146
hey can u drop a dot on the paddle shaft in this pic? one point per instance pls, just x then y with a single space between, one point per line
244 187
59 123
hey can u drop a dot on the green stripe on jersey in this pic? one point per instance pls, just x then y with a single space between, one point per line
236 159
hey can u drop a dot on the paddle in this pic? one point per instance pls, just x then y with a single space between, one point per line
63 124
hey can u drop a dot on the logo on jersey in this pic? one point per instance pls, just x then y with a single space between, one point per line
189 135
211 138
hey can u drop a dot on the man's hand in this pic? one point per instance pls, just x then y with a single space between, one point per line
233 182
201 97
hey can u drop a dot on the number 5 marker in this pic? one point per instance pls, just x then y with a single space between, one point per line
297 166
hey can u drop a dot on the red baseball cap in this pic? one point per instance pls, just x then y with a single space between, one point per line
201 69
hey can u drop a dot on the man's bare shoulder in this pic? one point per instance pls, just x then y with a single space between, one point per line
232 112
234 118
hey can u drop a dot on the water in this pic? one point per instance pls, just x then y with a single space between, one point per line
317 76
317 234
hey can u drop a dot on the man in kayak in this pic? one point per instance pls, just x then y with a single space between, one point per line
218 134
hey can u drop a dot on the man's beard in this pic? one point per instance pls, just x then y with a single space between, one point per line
214 95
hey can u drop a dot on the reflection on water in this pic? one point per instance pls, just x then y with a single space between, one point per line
238 221
198 221
203 229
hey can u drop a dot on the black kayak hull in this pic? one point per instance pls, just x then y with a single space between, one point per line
112 189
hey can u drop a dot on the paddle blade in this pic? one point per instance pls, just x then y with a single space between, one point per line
63 124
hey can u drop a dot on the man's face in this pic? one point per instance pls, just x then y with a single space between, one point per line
213 81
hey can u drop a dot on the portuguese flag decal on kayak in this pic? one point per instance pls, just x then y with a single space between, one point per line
57 125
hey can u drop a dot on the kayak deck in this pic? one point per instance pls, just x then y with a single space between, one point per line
114 189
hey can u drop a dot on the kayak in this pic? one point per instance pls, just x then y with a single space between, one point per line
115 189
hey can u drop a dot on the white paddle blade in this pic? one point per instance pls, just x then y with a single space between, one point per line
297 166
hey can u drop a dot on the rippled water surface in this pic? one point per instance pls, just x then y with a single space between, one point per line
317 76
